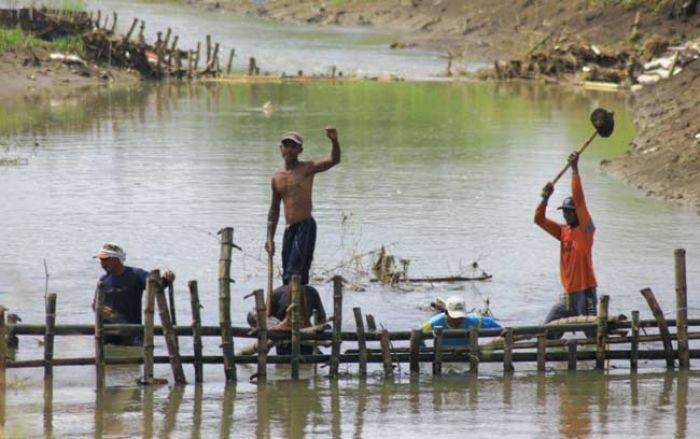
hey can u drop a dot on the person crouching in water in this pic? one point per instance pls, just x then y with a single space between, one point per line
455 316
123 291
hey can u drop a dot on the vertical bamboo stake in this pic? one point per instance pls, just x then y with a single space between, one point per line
474 350
634 343
49 335
415 351
196 331
127 37
337 324
296 323
190 63
361 342
681 310
229 66
173 313
142 28
166 41
148 314
114 21
261 312
99 334
541 352
663 326
437 348
173 48
225 302
196 59
208 49
169 335
571 358
386 353
214 56
371 324
3 357
98 19
508 351
602 334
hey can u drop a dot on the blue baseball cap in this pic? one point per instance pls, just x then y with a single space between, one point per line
567 204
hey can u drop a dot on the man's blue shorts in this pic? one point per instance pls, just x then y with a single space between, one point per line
298 247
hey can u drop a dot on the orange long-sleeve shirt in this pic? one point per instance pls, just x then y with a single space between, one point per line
576 260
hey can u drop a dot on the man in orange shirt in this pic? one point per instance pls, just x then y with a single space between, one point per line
576 240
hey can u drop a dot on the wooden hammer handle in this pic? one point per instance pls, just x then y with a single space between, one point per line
580 151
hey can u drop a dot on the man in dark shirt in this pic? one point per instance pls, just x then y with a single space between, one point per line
123 290
310 302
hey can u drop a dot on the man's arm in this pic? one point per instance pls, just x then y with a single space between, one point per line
584 217
333 159
541 220
273 217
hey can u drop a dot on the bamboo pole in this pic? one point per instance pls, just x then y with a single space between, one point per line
229 66
681 309
474 350
98 19
295 324
196 59
541 352
371 324
127 37
602 333
663 327
173 313
114 21
571 360
166 41
415 352
508 351
99 335
169 335
337 324
3 352
386 354
190 63
361 341
148 314
634 343
196 331
49 335
173 47
208 41
225 302
261 311
142 28
437 348
251 66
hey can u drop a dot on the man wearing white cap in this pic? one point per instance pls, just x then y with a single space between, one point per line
124 289
455 316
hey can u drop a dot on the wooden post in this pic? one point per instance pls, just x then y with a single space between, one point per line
166 41
386 353
196 59
571 358
681 310
127 37
229 66
437 349
251 66
196 331
3 357
114 21
661 322
225 302
49 335
169 335
295 324
190 63
142 27
261 312
508 351
215 58
634 343
98 19
415 351
208 49
173 313
173 48
337 324
99 334
474 350
148 314
371 324
361 342
602 334
542 352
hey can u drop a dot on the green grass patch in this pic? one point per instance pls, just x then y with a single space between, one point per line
11 38
67 5
71 44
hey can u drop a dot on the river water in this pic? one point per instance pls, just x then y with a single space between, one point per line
443 173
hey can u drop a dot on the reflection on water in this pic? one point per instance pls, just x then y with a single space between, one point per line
579 404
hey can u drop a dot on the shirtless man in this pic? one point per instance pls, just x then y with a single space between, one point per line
293 184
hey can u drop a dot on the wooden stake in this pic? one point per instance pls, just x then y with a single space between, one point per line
208 49
190 63
415 351
634 343
173 313
437 348
3 355
196 59
49 335
602 334
148 318
295 285
99 335
142 28
261 312
681 310
127 37
169 335
661 322
361 342
474 350
98 19
114 21
541 352
196 331
225 302
386 353
173 49
571 360
251 66
508 351
229 66
337 324
371 324
166 41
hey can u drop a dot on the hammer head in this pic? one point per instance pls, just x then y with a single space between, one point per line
603 122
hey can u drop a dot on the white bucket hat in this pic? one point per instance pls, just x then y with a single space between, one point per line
111 250
455 308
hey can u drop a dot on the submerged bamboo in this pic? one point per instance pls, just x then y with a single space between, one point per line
337 324
361 342
295 324
415 352
196 331
169 335
474 350
225 301
99 336
681 309
437 348
261 312
148 317
634 343
602 332
541 352
663 326
508 351
571 360
49 335
386 353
